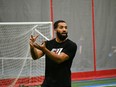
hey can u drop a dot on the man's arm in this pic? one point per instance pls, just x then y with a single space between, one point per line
57 58
35 53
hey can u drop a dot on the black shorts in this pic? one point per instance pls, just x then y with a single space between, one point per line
53 86
50 83
49 86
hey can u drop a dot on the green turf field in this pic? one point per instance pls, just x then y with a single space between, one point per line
109 82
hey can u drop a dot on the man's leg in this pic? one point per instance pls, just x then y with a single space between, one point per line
44 85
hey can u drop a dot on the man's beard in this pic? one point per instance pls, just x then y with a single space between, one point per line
62 37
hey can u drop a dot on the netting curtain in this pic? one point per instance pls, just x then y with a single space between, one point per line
78 15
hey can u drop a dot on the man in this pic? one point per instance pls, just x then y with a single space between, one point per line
59 53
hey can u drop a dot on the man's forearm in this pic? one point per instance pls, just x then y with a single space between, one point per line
52 55
57 58
33 53
36 53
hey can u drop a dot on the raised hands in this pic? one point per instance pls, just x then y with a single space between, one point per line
38 46
35 48
32 40
34 44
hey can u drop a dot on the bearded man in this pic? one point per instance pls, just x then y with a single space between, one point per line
59 54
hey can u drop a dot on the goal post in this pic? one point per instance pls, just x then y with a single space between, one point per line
16 65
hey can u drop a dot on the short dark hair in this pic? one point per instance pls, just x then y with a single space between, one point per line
56 23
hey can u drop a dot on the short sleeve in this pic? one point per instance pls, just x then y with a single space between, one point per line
70 50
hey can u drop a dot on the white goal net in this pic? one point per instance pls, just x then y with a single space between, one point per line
16 65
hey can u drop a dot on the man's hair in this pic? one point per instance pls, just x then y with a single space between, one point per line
57 22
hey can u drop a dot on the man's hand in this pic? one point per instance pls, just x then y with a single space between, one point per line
32 40
38 46
35 48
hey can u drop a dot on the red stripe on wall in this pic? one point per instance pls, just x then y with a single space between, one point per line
89 75
76 76
51 11
93 36
52 16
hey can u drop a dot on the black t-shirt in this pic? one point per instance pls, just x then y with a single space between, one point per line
59 75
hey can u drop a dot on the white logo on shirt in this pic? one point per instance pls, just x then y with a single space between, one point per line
57 50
